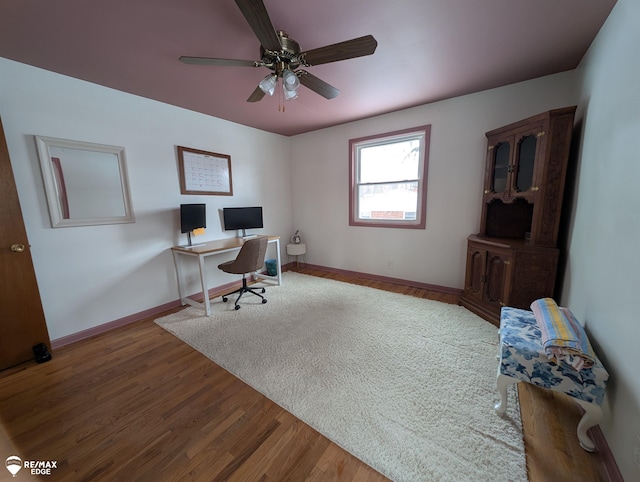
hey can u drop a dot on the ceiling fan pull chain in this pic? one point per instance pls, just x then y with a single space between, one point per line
280 95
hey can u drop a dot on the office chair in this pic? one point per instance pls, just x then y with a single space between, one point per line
249 260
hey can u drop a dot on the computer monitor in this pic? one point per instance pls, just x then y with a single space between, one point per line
192 216
242 218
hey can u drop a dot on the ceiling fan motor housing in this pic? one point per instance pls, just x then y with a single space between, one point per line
286 58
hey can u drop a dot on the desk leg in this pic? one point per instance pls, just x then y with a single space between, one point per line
205 288
176 263
279 262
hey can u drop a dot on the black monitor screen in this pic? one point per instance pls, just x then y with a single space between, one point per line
192 216
242 218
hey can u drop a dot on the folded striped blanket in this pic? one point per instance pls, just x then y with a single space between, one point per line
563 337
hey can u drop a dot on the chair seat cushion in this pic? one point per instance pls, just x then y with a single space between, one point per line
222 266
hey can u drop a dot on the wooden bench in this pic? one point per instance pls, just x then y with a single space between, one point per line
522 359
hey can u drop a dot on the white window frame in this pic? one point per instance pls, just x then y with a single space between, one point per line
423 134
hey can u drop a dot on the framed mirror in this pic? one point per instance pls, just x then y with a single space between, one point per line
85 184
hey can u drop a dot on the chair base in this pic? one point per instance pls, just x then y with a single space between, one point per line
241 291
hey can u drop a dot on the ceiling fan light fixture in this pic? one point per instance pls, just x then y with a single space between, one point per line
268 84
289 94
290 80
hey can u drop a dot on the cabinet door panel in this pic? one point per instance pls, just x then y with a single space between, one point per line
496 276
501 157
475 272
525 162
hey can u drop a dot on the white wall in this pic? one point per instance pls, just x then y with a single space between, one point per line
97 274
601 285
436 255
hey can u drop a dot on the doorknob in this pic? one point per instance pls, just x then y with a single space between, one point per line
18 248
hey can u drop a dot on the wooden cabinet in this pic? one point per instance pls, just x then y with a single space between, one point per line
513 260
506 272
524 177
511 162
488 272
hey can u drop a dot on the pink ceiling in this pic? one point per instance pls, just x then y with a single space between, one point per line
428 50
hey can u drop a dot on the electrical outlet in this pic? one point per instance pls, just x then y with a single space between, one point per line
636 451
189 280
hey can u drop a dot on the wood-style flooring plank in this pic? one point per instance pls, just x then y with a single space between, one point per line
137 403
550 420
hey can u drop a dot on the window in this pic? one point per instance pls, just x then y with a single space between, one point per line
388 179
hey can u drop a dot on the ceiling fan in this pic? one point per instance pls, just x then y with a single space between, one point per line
281 54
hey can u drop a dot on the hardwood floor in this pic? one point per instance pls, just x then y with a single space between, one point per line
549 421
136 403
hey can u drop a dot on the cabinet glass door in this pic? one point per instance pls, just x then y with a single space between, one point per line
500 167
525 163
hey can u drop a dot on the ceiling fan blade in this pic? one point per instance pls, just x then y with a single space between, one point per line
317 85
256 95
349 49
256 15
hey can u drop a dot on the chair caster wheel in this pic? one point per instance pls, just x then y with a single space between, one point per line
224 298
237 307
263 290
264 300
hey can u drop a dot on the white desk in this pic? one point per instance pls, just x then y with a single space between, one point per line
201 252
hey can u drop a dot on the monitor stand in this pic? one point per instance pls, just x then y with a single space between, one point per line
189 245
247 236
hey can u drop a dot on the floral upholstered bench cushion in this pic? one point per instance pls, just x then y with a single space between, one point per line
522 358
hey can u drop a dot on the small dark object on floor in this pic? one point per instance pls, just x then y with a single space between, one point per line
41 353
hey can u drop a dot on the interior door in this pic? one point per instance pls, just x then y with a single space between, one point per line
22 322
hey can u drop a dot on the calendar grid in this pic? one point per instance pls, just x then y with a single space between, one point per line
203 172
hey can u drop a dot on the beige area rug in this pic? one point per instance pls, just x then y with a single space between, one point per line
407 385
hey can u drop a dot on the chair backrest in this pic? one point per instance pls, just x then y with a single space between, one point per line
251 255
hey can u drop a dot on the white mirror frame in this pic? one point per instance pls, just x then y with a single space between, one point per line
53 187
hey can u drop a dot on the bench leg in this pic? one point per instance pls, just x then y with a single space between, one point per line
591 417
503 383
